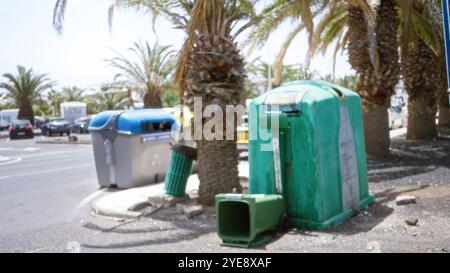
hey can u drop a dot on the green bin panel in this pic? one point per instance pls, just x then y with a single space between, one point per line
322 150
178 174
243 220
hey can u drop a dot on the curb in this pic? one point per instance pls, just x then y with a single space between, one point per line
4 136
80 142
130 203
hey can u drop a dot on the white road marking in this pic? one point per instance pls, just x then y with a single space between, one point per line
44 171
28 149
11 161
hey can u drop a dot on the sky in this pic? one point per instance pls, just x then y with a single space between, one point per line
77 57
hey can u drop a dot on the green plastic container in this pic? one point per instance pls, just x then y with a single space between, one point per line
179 170
321 152
244 220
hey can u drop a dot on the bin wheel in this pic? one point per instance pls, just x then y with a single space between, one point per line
284 223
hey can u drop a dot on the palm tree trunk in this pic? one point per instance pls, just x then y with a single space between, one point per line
444 113
215 73
420 81
376 130
152 99
421 118
378 75
443 98
217 169
26 112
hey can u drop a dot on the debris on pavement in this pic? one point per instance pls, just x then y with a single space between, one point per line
412 221
166 200
405 200
190 211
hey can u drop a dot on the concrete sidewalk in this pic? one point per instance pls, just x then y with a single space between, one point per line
125 204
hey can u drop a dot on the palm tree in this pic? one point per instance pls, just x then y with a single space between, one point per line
212 68
348 81
108 98
300 14
370 36
351 24
151 74
258 71
55 99
25 88
72 93
443 99
420 34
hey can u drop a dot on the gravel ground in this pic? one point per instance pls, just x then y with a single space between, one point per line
421 169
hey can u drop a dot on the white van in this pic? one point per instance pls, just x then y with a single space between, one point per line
73 110
7 117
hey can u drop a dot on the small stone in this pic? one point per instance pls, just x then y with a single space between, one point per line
412 221
405 200
180 208
193 211
73 138
165 200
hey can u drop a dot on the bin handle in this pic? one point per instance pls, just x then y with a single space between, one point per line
109 130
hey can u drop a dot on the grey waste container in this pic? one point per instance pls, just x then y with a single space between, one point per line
131 148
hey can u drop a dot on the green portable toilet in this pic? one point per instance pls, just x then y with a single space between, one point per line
316 158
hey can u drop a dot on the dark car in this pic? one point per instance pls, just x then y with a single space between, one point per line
21 128
81 125
58 126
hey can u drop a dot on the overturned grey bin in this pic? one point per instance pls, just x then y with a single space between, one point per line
131 148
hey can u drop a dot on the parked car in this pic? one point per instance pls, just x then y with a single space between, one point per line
397 117
81 125
21 128
56 126
38 121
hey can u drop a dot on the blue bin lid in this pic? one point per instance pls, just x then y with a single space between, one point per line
102 118
131 122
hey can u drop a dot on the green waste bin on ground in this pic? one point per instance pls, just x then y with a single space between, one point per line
244 220
318 163
179 170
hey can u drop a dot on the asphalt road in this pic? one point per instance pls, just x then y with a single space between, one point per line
41 187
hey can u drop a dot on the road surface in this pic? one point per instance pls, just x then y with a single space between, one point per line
41 187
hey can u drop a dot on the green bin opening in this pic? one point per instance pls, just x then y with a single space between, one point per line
234 220
246 220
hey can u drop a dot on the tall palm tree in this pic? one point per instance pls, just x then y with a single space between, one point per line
370 36
25 88
351 24
443 99
150 74
420 34
72 93
300 14
210 67
55 99
109 98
